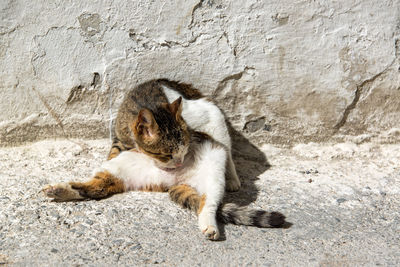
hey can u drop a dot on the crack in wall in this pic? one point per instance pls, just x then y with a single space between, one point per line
8 31
145 43
74 93
50 110
159 13
228 42
357 95
223 82
96 79
197 6
56 117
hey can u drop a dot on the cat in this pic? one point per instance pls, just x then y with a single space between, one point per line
156 150
198 113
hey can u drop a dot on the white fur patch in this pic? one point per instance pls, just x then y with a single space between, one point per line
137 171
209 175
209 179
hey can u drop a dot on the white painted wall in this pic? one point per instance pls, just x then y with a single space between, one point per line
283 71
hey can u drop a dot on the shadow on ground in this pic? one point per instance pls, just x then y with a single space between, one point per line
250 162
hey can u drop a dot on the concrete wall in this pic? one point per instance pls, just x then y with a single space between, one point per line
283 71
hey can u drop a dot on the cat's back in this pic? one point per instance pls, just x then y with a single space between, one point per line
152 94
148 95
187 91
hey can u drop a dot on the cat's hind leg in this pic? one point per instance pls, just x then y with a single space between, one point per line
102 185
62 192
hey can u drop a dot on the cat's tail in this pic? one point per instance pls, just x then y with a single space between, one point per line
187 197
232 213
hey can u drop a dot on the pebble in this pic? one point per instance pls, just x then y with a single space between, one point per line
89 222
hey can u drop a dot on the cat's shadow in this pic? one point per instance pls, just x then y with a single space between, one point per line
250 162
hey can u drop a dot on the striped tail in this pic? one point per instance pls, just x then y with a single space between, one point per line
187 197
232 213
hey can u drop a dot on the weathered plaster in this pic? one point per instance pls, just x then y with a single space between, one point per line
282 71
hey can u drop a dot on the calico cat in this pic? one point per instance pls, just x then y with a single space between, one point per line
198 113
156 150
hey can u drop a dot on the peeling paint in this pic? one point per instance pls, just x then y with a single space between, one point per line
90 23
305 66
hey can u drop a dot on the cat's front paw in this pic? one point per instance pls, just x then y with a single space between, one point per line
208 225
211 232
61 192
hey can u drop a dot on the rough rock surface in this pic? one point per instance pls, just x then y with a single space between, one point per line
341 199
283 71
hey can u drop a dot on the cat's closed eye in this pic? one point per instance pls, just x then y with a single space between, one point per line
168 156
153 153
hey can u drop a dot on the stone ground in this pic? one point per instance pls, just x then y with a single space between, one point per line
342 202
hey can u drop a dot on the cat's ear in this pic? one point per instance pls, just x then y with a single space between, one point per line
176 107
146 124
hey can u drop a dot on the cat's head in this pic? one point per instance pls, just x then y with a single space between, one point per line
162 134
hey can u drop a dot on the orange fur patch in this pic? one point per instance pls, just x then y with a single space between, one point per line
154 188
113 153
186 196
202 203
102 185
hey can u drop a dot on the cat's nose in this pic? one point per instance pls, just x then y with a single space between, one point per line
178 164
178 161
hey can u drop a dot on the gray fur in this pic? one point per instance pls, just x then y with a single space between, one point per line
232 213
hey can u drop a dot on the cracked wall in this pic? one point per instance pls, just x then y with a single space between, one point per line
283 72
